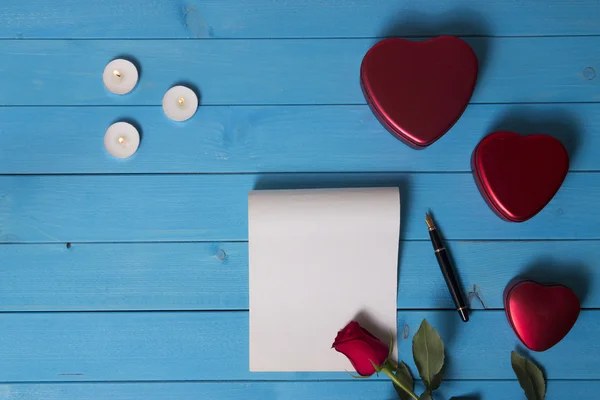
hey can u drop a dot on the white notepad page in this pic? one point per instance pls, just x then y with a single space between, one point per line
319 259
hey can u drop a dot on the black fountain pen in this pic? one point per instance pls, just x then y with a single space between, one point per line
446 267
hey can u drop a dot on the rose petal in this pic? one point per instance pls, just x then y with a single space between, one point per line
350 331
362 356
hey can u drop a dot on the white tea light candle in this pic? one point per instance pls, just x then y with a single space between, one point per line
122 140
180 103
120 76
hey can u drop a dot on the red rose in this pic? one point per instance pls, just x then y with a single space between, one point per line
362 348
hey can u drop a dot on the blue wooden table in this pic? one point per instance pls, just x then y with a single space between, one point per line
127 279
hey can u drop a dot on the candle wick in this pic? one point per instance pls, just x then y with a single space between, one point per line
181 101
121 140
117 73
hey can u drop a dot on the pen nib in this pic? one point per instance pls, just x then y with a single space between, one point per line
429 221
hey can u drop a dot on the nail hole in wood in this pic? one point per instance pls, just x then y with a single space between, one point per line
221 255
405 331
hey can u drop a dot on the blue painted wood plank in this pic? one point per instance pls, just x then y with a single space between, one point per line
180 345
153 276
330 390
214 276
114 208
273 139
300 18
127 346
296 71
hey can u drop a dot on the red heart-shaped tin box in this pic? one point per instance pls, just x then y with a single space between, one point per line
518 175
418 90
540 314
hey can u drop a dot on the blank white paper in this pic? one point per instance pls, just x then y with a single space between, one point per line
318 260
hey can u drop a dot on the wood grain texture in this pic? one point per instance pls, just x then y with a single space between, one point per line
136 208
273 139
295 71
298 18
132 346
214 276
280 107
330 390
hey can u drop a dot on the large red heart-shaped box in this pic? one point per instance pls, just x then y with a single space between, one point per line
418 90
540 314
518 175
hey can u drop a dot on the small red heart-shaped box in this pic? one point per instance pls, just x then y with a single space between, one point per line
540 314
418 90
518 175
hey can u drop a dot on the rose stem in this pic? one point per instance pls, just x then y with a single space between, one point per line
386 370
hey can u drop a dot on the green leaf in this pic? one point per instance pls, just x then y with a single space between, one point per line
403 374
357 376
530 377
391 346
425 396
437 379
376 367
428 352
